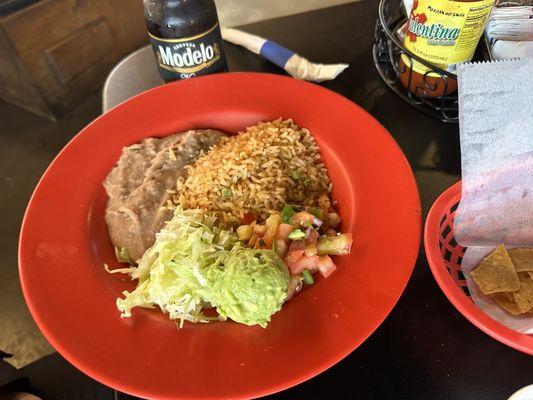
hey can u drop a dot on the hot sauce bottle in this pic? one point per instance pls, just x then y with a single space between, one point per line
443 33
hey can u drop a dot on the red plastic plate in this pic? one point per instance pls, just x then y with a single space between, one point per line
64 244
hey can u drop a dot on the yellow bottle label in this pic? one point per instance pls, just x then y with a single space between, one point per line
445 32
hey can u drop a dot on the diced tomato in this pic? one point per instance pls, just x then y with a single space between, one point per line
260 230
335 245
253 240
324 213
248 218
280 247
311 235
271 224
260 244
293 256
326 266
310 249
297 245
283 231
269 236
310 263
255 235
334 220
302 218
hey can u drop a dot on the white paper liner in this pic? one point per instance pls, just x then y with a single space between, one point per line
496 132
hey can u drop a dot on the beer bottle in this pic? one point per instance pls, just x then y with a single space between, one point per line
185 37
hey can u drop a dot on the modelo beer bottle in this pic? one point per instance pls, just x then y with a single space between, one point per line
185 37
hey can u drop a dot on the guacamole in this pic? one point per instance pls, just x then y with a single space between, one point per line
248 285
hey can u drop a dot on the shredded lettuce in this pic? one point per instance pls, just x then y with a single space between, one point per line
171 274
123 256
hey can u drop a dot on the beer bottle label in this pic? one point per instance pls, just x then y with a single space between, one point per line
189 56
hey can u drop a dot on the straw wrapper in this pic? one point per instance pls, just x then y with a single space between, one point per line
294 64
496 125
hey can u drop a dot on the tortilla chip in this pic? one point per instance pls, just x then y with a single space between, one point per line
524 275
503 301
523 298
496 273
522 259
508 296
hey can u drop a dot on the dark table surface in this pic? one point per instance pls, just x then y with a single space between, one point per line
425 349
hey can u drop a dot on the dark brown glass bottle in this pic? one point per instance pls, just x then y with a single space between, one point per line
185 37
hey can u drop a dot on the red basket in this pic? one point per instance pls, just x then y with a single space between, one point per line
444 256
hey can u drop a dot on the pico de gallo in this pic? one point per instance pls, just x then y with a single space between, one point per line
305 238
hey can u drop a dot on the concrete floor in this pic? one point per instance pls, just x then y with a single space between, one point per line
28 144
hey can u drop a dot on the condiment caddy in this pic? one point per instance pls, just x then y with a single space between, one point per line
446 32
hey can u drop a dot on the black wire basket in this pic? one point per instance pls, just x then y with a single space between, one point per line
434 92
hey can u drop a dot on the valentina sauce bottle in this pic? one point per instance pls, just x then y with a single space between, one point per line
444 33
